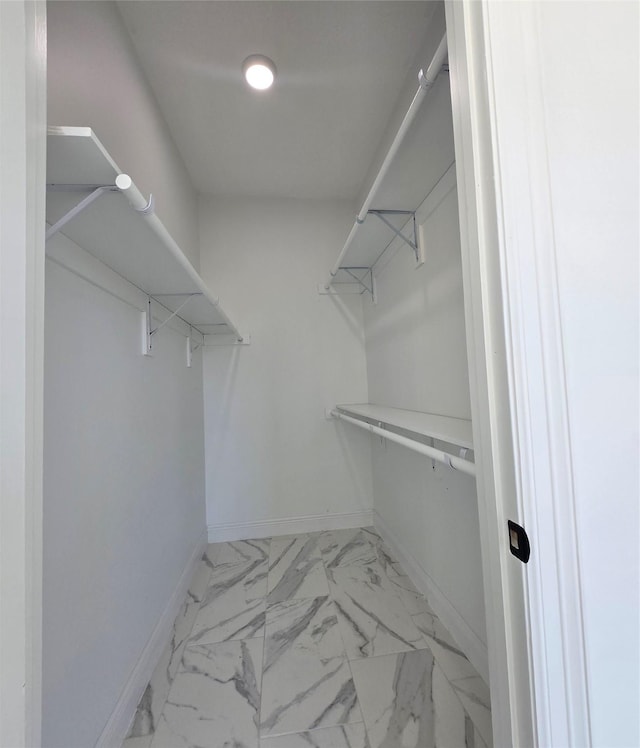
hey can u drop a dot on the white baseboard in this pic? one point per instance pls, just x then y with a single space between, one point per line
119 723
468 641
288 526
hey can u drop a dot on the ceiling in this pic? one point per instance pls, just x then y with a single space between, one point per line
341 67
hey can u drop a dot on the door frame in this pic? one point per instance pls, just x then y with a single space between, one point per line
22 225
519 400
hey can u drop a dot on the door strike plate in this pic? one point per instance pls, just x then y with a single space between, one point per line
519 542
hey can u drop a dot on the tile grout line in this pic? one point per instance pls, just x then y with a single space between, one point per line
437 659
344 647
422 635
333 588
186 645
264 644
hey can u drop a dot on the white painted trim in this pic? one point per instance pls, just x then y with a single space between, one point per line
537 378
121 719
288 526
22 192
466 638
504 578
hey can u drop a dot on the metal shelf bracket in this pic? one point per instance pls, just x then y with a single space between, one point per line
382 215
97 191
147 331
173 314
361 280
191 348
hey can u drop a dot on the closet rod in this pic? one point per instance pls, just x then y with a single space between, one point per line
457 463
125 184
426 81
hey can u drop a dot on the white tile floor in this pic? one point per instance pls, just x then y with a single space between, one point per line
311 640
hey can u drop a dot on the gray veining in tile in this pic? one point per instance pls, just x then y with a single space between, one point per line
451 723
449 656
469 687
346 547
396 698
296 570
413 601
385 558
233 606
345 736
371 530
155 694
306 682
478 742
141 742
210 553
214 700
243 551
413 686
371 620
184 623
474 695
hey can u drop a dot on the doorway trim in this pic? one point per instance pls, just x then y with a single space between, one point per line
22 225
519 400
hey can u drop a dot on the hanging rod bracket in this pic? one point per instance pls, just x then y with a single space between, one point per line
413 243
425 83
149 208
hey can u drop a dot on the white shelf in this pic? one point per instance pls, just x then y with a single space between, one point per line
135 246
416 169
455 431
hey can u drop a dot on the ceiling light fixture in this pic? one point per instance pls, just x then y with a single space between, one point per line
259 71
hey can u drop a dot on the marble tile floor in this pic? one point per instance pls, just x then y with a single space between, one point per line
311 641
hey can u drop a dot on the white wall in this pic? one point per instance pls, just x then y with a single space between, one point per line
95 80
592 133
416 359
124 454
270 454
124 497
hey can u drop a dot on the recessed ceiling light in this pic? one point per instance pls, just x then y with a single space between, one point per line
259 71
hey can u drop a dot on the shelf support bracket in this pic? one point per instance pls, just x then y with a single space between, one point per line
191 349
173 314
371 288
147 332
382 215
84 203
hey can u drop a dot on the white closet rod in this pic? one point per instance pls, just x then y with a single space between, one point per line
426 81
457 463
125 184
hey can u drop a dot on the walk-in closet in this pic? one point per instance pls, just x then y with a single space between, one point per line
289 443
